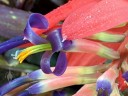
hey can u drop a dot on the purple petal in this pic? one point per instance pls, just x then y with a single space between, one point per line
61 63
13 84
55 38
35 21
14 42
67 44
125 76
104 88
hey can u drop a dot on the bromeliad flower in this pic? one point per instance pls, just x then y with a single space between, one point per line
89 36
54 43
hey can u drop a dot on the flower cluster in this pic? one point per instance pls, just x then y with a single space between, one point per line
92 32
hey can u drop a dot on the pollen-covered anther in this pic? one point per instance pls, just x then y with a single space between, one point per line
31 50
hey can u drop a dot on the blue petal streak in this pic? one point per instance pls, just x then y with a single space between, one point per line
12 43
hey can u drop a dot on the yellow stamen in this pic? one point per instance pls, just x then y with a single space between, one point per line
31 50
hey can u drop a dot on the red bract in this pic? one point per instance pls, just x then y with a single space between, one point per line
63 11
103 16
84 59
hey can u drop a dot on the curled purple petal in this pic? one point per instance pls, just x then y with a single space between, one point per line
13 84
35 21
57 42
14 42
125 76
103 88
55 38
61 63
